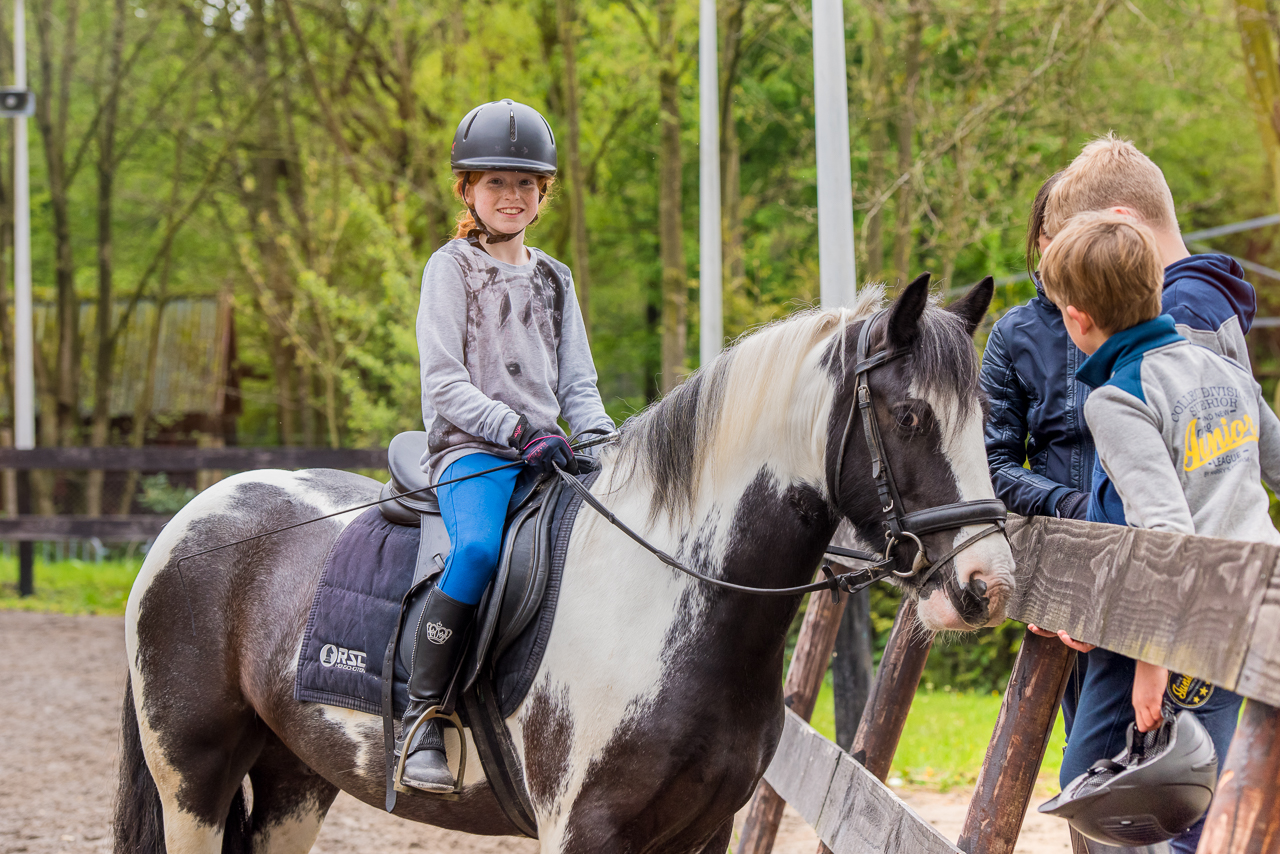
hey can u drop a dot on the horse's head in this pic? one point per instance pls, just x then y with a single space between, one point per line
907 392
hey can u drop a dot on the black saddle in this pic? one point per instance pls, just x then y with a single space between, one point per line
512 599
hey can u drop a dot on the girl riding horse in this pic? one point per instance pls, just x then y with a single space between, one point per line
504 355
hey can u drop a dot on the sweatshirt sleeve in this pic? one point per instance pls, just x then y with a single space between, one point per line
1268 442
1132 451
577 392
442 337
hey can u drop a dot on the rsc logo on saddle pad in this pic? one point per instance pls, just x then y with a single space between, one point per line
346 659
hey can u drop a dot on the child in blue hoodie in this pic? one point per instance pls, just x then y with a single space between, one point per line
1185 438
1037 404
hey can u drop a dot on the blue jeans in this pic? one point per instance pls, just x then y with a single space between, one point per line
474 512
1097 709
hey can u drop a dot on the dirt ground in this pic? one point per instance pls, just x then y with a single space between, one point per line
62 679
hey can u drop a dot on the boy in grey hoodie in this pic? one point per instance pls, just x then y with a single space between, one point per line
1185 438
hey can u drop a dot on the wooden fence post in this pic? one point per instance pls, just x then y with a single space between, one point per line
1013 759
852 667
1244 817
800 691
880 728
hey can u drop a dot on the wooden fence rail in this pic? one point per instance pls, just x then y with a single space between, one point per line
1199 606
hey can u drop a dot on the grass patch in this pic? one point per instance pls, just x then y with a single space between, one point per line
71 586
945 739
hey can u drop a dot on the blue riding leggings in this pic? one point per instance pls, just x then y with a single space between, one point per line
1098 708
474 512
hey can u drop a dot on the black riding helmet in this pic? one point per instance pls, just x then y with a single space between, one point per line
503 136
1157 788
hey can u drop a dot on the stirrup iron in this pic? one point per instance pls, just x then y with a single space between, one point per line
436 711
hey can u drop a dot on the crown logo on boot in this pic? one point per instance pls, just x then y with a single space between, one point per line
437 633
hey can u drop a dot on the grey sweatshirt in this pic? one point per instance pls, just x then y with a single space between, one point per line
497 341
1183 434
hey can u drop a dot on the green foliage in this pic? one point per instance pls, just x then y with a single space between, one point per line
159 496
71 586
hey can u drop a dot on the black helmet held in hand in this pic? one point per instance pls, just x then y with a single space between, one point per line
504 136
1156 789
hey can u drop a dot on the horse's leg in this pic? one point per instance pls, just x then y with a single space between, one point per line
289 801
198 751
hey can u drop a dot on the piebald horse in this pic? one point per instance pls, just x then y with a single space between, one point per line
658 703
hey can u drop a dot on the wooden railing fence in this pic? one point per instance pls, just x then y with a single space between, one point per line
1203 607
25 528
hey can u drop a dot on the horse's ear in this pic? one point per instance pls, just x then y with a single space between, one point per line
904 317
972 307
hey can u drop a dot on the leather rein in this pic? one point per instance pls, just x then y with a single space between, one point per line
899 526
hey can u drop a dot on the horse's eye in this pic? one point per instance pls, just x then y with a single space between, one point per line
907 418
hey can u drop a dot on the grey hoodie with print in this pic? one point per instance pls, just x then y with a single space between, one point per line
1183 434
496 341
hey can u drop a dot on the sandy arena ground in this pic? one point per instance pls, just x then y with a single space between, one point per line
62 680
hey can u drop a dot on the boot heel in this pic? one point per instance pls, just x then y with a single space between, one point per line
453 720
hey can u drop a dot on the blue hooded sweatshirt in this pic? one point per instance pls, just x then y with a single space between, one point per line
1211 305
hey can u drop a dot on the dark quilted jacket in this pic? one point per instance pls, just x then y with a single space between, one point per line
1037 410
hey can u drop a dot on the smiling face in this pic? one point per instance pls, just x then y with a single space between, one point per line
506 201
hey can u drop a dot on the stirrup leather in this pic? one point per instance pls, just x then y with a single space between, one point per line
436 711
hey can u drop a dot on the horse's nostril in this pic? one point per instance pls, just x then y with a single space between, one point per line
978 587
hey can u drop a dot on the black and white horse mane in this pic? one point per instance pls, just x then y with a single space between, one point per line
670 442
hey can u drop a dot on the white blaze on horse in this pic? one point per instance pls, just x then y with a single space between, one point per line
658 702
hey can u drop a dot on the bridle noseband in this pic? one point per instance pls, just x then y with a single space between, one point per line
910 526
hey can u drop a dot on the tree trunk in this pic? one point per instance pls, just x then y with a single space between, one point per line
876 98
670 228
264 209
566 18
906 125
106 191
734 266
1263 79
51 118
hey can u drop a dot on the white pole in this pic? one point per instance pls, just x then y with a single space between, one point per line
24 419
711 327
835 182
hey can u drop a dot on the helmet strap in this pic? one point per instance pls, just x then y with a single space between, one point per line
491 236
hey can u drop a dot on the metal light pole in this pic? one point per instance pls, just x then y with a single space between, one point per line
835 182
24 425
711 325
24 408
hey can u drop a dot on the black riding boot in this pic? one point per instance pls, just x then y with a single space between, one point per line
437 644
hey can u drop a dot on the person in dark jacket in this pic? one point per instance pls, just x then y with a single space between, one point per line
1037 406
1028 373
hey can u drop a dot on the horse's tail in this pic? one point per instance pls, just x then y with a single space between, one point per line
139 824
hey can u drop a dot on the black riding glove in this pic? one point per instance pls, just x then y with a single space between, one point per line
541 449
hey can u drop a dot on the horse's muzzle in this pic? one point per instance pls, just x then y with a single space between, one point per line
971 601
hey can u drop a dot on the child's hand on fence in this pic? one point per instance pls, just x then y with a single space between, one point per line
1078 646
1149 682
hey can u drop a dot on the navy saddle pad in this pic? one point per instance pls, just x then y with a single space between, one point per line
366 575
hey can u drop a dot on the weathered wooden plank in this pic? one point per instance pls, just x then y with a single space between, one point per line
1187 603
852 811
29 528
1244 817
165 458
800 691
1017 746
1259 675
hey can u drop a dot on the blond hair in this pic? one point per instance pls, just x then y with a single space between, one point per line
1106 265
466 222
1111 172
